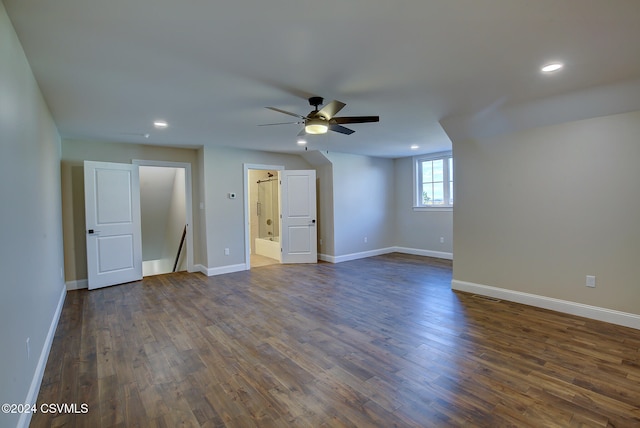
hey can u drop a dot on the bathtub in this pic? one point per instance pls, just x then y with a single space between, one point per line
269 247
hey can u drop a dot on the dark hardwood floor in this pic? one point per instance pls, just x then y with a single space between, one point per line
378 342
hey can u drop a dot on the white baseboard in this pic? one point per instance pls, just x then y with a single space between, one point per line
200 268
82 283
34 388
378 252
220 270
426 253
564 306
77 285
361 255
325 258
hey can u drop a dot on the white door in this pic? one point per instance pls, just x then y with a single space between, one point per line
114 235
299 235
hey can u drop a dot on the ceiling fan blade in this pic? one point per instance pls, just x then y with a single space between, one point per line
285 112
355 119
331 109
280 123
341 129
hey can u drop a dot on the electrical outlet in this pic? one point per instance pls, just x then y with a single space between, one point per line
591 281
365 239
442 239
320 241
28 348
226 251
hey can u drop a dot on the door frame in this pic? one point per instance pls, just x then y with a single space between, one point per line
188 200
247 218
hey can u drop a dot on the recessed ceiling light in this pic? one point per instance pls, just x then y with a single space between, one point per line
301 142
551 67
160 124
415 147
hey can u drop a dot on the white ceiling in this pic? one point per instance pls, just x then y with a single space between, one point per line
107 69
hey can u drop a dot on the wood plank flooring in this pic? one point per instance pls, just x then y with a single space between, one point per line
378 342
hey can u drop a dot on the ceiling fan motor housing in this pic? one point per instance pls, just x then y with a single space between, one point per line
316 101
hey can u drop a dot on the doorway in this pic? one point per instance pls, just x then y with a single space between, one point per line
263 215
295 238
165 209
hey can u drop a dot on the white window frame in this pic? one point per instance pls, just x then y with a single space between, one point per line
417 180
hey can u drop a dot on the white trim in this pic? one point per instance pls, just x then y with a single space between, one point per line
362 255
326 258
426 253
188 200
435 208
380 251
200 268
77 285
564 306
417 173
432 156
221 270
32 395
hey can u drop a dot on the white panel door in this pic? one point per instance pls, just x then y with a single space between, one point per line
299 236
113 224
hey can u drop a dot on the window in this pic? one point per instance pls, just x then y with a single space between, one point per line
433 180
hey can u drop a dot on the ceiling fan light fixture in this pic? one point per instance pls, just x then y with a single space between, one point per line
316 126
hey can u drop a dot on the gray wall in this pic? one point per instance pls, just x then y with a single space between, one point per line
31 232
324 195
538 210
223 174
419 230
363 201
364 196
176 221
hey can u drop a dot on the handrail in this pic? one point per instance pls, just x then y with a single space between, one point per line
184 233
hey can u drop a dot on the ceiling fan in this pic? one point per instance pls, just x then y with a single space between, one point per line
323 120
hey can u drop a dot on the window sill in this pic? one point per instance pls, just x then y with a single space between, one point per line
433 209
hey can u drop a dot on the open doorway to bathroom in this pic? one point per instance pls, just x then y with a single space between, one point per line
264 217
